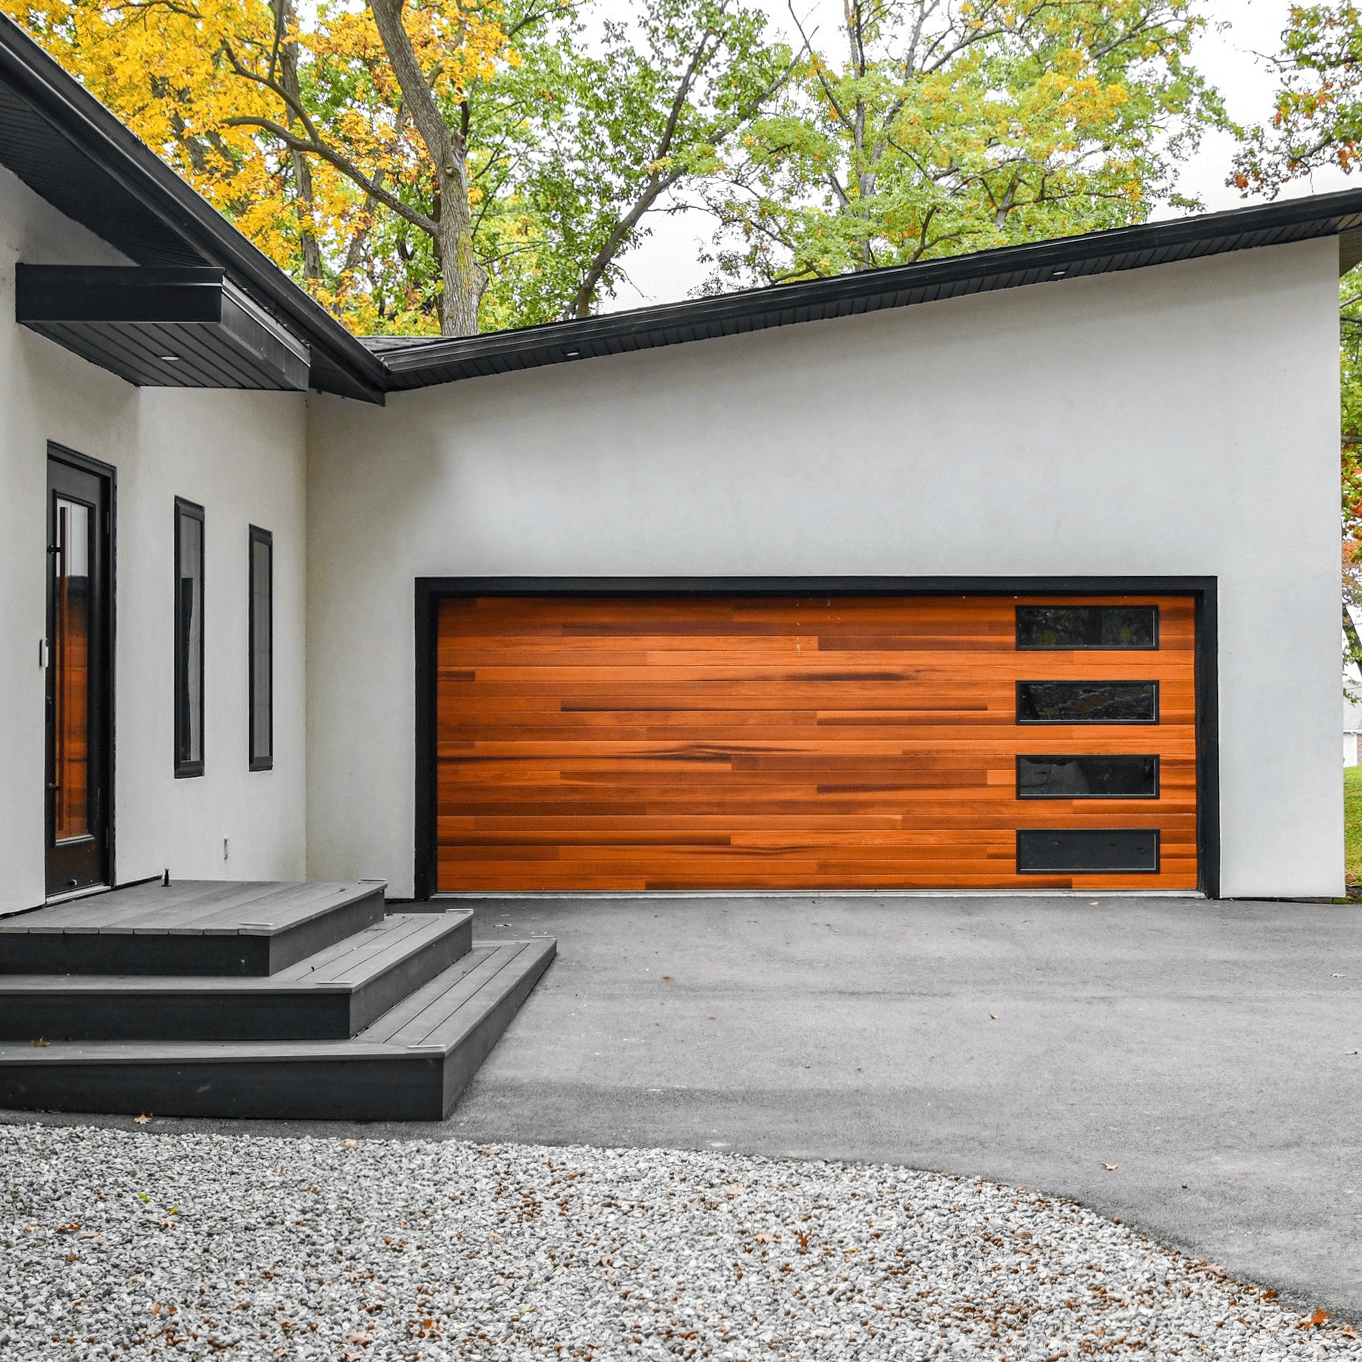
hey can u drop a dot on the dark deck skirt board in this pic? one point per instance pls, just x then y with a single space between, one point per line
331 995
196 927
410 1065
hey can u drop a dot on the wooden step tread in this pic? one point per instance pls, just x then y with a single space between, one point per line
196 927
339 968
433 1016
440 1001
432 1024
192 907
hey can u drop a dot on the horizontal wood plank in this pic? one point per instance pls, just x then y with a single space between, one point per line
640 742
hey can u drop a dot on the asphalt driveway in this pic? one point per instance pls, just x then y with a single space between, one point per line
1209 1051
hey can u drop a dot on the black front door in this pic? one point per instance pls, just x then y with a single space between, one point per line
78 676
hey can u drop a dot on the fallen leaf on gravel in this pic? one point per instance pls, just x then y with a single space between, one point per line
496 1238
1316 1319
993 1016
766 1237
359 1338
1111 1167
349 1144
733 1189
143 1120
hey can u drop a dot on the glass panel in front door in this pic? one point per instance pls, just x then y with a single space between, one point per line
78 681
70 662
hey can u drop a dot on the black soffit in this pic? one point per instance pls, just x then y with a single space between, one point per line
167 328
70 150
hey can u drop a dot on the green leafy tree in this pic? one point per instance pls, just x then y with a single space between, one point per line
945 127
662 108
1317 116
1317 122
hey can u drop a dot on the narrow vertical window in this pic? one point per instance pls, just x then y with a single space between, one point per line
262 649
188 638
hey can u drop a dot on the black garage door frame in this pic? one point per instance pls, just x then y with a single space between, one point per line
430 591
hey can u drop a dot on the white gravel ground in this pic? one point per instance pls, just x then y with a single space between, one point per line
136 1245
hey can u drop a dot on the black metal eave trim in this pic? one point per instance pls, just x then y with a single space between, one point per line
430 590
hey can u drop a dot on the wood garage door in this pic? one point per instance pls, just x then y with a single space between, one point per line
772 742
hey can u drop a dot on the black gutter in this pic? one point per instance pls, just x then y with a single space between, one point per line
98 135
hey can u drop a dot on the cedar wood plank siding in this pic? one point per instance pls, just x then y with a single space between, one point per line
758 742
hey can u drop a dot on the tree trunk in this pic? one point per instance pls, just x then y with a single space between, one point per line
285 19
463 278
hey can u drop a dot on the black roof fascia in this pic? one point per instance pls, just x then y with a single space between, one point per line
422 361
101 174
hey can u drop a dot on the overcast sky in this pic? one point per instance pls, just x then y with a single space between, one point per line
667 266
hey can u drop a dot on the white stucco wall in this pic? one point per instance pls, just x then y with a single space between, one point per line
1174 420
240 455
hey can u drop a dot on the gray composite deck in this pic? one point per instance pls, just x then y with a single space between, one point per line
207 927
385 1021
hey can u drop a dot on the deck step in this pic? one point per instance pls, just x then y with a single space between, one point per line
225 929
331 995
409 1065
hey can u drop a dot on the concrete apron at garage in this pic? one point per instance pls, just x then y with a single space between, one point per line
1027 1040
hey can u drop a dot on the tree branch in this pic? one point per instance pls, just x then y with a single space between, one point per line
342 163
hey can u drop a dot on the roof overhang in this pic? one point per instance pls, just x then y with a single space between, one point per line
70 150
421 362
162 328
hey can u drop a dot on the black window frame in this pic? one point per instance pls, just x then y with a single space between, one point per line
258 760
184 766
1060 681
1151 647
1087 756
1028 853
